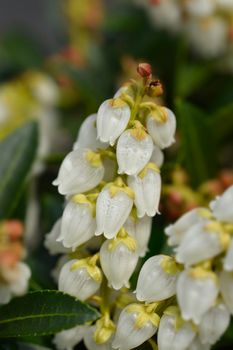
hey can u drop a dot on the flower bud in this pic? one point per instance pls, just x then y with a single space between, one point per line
147 189
80 278
157 279
113 207
162 132
78 224
213 324
200 243
68 339
177 231
134 327
90 343
139 229
144 69
134 150
118 259
222 206
112 119
197 290
51 243
81 171
174 333
157 156
228 259
226 288
87 136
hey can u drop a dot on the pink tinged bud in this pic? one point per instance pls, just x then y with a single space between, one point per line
172 337
155 281
78 225
77 282
112 212
222 206
226 288
111 121
132 153
213 324
162 133
198 245
144 70
87 136
147 191
118 263
51 243
77 174
196 295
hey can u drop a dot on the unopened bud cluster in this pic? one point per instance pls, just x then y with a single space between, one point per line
112 185
14 274
206 24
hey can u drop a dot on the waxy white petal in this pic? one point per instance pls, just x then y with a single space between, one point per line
133 154
68 339
228 259
111 212
162 133
222 207
77 175
157 156
111 121
51 243
226 288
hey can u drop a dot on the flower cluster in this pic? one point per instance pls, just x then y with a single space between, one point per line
112 185
207 24
14 274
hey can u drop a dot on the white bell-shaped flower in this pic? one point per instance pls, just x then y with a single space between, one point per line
177 231
213 324
157 279
87 136
140 229
14 281
147 189
162 132
81 170
113 207
135 326
197 345
197 290
157 156
68 339
59 264
78 223
174 333
200 8
134 150
222 206
112 119
200 242
51 243
91 344
118 259
228 259
80 278
226 288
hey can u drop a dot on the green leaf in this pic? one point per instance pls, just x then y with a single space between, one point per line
190 77
17 153
198 149
42 313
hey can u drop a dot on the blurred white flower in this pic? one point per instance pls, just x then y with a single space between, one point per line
68 339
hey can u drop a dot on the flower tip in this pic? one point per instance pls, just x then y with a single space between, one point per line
144 70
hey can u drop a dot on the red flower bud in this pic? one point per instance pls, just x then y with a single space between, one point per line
144 69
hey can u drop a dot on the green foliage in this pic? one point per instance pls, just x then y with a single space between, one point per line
197 152
17 153
222 123
42 313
